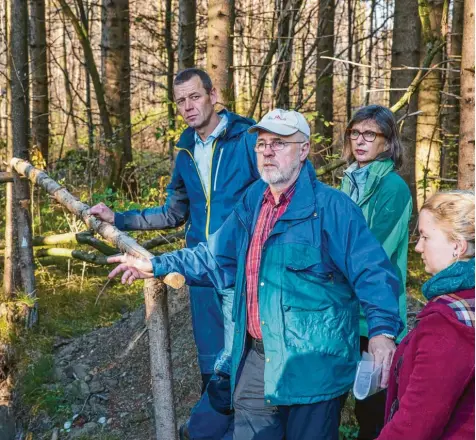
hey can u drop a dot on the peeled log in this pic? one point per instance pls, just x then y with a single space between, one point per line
155 294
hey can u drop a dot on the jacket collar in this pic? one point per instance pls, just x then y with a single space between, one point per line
235 126
302 205
375 172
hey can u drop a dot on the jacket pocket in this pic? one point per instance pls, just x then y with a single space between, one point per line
330 331
305 280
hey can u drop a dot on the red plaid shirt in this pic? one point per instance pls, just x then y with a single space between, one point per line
268 216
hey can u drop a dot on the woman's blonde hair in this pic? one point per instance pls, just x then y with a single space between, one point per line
454 212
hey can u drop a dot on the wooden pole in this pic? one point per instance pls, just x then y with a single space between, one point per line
155 293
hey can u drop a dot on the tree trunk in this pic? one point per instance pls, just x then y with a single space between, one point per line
11 276
39 78
170 78
451 112
466 134
324 82
187 33
221 22
90 64
21 219
406 52
370 53
287 17
350 67
115 56
155 294
70 117
427 157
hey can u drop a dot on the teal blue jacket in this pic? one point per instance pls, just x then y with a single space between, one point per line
386 203
318 263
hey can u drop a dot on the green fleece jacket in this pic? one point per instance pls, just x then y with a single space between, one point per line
386 203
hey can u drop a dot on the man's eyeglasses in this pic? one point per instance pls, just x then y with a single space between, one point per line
368 135
276 145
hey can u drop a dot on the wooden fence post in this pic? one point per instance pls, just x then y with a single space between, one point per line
155 293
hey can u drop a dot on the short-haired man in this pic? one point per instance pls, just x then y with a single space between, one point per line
301 258
215 163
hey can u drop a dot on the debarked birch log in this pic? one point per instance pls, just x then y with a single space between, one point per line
155 293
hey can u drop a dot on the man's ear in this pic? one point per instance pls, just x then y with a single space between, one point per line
304 152
213 96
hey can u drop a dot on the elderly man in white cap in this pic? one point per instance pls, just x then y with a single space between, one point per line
302 259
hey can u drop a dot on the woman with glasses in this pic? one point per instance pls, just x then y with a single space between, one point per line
372 148
431 387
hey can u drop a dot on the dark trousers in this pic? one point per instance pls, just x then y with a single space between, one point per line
254 420
370 412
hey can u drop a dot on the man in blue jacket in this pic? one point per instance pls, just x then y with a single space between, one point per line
215 164
301 258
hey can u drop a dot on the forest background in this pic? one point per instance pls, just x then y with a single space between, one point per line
86 93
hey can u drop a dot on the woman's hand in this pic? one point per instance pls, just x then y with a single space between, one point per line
133 268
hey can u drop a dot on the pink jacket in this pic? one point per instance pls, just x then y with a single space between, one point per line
431 390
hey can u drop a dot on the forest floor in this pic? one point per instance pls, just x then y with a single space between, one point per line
83 384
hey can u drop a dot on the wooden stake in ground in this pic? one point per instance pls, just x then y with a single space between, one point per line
155 293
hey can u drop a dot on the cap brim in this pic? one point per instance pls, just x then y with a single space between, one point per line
273 128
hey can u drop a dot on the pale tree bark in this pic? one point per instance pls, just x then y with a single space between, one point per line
39 78
155 293
20 216
370 53
324 79
288 12
11 275
187 33
70 117
406 52
466 134
84 15
115 57
451 99
350 67
221 22
433 15
170 78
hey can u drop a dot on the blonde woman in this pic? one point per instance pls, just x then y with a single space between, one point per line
431 389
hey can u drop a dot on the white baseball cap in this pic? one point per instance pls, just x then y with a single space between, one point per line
282 122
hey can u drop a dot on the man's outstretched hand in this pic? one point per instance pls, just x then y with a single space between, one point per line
102 212
132 268
382 349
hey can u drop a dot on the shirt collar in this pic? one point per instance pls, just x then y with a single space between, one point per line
215 133
284 197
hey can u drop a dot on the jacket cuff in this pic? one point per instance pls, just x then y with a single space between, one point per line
382 329
158 268
119 221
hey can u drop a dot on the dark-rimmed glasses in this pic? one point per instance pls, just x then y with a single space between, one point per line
276 145
368 135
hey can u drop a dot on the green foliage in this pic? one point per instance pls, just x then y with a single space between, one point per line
348 432
319 138
67 302
38 390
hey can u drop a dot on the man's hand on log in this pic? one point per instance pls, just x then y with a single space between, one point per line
133 268
102 212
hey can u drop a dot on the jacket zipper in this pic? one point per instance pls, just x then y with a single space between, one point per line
198 172
188 230
218 167
207 227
